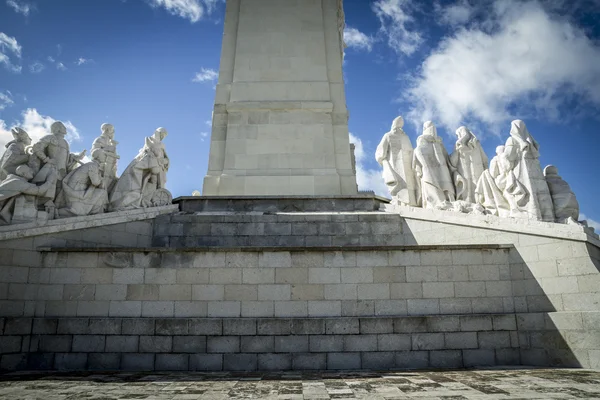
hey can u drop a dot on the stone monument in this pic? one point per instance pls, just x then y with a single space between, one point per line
280 123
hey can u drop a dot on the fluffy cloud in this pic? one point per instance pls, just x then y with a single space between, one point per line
206 75
397 23
193 10
9 47
367 178
520 54
37 126
358 40
5 100
455 14
591 223
20 7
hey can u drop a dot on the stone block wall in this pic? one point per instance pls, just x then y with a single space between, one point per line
145 344
256 283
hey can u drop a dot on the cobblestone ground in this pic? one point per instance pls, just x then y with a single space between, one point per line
449 385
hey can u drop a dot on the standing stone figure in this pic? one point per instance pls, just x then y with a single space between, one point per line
15 154
523 152
52 153
108 145
83 189
142 184
470 161
431 166
395 155
566 206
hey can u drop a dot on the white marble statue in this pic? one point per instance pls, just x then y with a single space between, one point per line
143 181
523 152
498 190
469 161
83 189
395 155
16 153
566 206
108 145
18 195
52 152
432 170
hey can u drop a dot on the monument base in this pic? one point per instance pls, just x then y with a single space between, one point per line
360 202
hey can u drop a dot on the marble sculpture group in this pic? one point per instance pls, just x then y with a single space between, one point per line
514 185
44 180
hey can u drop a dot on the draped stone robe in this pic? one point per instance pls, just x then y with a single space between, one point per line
395 155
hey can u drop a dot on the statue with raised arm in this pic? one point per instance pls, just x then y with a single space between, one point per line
395 155
432 170
83 189
52 152
16 153
142 184
108 145
469 161
566 206
523 153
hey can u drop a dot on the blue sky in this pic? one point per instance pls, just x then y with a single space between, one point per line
141 64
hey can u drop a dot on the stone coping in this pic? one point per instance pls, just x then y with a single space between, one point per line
316 106
252 249
492 222
19 231
360 196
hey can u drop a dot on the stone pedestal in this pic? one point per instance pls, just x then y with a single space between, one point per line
280 123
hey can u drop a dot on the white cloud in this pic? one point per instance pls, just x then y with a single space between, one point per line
397 25
60 66
203 135
193 10
83 61
9 45
367 178
455 14
5 100
206 75
36 67
358 40
591 223
20 7
520 55
37 126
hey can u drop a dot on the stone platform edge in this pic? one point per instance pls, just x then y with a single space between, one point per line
274 249
20 231
492 222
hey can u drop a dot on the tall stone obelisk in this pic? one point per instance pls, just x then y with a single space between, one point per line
280 123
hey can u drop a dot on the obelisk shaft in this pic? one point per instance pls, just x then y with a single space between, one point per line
280 123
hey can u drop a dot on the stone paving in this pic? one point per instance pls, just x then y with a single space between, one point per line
447 385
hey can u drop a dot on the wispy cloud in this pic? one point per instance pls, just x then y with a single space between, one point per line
357 40
206 75
36 67
9 45
21 7
37 125
367 178
397 25
520 55
61 67
193 10
83 61
5 100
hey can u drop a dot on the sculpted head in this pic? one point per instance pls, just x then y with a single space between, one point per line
58 128
550 170
398 124
21 136
99 156
429 129
517 127
500 150
108 130
160 133
25 172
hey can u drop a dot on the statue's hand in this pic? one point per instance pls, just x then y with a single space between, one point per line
79 156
